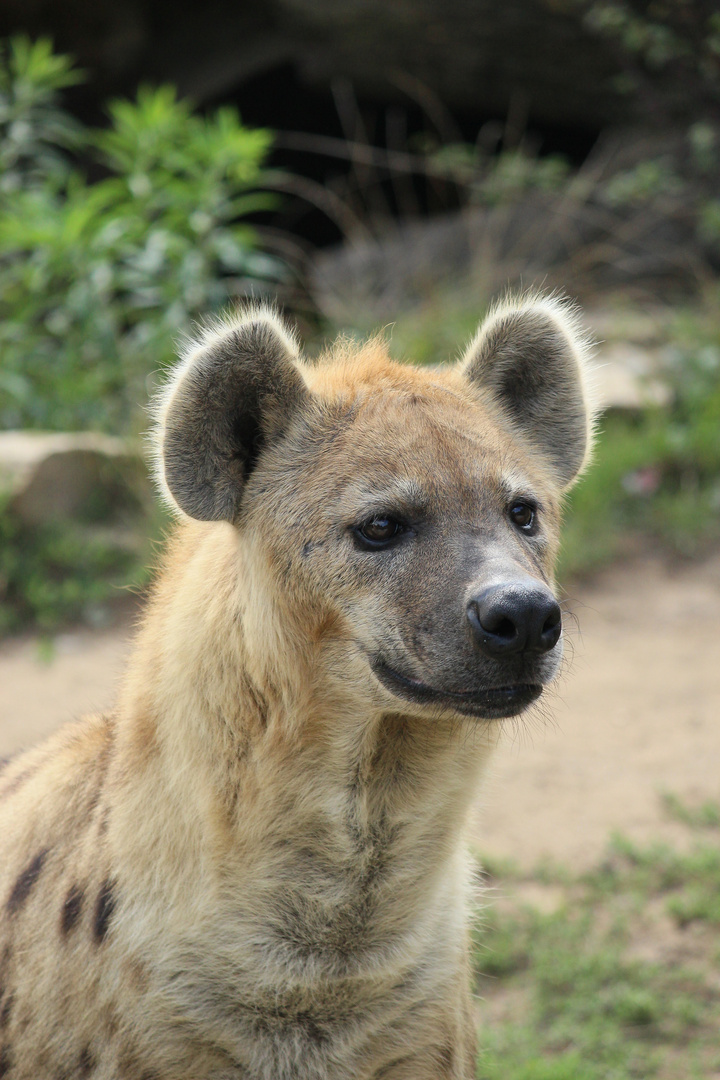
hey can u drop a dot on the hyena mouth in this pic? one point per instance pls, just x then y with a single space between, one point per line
490 703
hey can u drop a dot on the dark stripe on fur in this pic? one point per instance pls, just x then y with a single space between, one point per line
6 1010
103 910
5 1061
72 909
23 885
12 785
87 1062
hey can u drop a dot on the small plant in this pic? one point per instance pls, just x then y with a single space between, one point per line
97 280
35 132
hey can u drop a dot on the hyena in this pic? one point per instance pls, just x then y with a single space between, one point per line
254 868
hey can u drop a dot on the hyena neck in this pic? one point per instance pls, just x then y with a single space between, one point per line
317 768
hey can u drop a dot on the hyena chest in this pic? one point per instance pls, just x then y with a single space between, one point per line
341 1028
305 978
288 1005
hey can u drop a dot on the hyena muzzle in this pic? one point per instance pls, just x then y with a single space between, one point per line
254 869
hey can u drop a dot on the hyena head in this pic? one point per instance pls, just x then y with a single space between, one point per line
399 524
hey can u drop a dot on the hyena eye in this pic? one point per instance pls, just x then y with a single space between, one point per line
522 514
379 531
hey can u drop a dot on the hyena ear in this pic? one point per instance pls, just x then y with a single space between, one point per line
531 356
233 393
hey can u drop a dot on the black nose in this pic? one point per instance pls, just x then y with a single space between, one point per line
515 618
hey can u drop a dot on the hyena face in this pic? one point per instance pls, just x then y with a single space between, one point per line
408 516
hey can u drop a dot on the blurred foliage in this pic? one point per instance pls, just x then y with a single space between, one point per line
677 44
34 132
493 179
688 882
67 571
636 186
656 472
704 816
615 202
677 38
97 279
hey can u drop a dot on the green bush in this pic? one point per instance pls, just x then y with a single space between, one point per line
656 473
496 179
98 279
65 571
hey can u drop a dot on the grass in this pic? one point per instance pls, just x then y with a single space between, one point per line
706 815
615 978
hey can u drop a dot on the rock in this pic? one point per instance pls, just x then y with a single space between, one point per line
626 377
629 358
56 476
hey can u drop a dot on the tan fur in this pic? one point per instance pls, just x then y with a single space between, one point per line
255 867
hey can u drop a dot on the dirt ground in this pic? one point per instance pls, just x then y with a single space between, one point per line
636 713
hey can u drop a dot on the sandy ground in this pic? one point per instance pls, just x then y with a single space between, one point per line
636 713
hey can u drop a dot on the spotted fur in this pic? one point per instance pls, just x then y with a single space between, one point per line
254 869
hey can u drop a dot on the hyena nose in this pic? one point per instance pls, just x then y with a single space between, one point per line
513 618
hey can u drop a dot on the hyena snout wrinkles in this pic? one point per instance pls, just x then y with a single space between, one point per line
255 868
